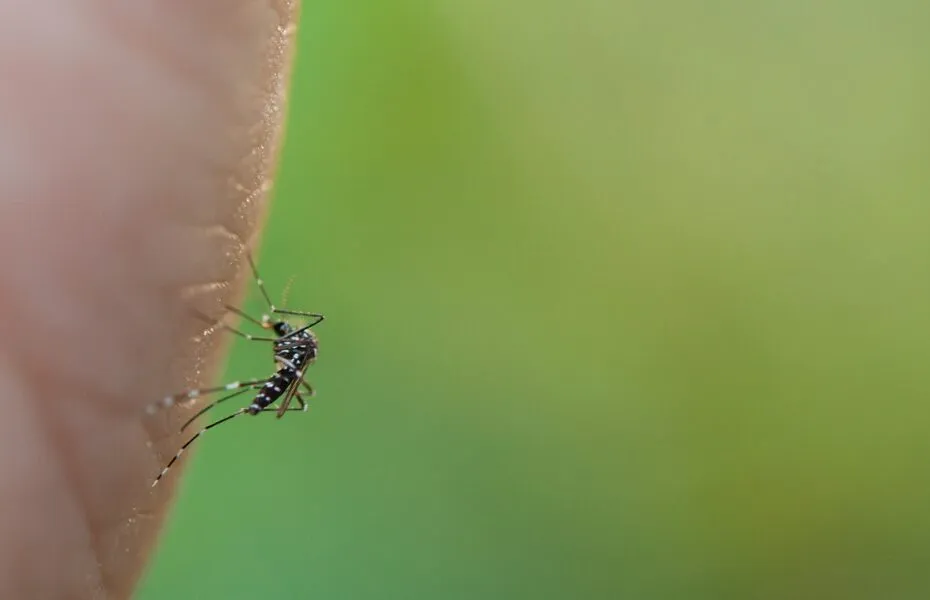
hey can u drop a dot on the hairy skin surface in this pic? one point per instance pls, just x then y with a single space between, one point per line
136 143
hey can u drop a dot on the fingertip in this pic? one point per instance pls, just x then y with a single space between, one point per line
136 168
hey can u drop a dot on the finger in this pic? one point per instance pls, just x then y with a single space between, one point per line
137 144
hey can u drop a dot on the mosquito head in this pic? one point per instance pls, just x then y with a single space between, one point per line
282 328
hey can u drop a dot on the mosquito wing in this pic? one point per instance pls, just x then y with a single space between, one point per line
289 395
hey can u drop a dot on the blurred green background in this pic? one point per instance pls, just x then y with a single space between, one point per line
624 300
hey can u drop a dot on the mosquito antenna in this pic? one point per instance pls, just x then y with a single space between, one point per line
287 291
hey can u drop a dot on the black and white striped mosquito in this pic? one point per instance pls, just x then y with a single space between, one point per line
295 349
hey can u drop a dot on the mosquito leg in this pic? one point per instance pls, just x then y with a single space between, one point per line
243 390
317 317
245 316
258 280
191 441
274 409
231 329
300 401
169 401
310 391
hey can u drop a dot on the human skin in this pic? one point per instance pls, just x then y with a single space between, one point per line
137 140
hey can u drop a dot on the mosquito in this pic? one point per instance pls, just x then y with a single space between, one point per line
295 349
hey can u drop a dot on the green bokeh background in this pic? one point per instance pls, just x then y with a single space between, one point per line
624 300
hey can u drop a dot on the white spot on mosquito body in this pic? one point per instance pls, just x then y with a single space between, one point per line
167 400
231 386
193 393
